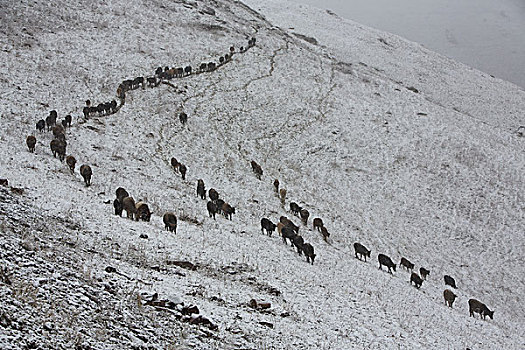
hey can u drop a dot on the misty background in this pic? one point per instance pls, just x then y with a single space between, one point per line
485 34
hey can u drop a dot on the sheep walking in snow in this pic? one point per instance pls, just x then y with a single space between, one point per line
476 306
214 195
128 204
183 170
267 225
170 222
41 125
317 224
257 169
227 210
201 190
449 281
406 263
71 162
58 147
325 233
51 119
142 213
295 208
361 250
212 209
183 117
414 278
449 297
85 171
424 272
386 261
31 143
175 164
282 194
276 185
121 193
308 250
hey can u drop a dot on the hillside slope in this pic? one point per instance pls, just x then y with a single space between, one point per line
434 175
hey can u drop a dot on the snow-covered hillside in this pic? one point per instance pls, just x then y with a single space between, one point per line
393 146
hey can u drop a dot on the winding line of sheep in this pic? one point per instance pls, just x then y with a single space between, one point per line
165 74
289 230
475 306
58 144
286 228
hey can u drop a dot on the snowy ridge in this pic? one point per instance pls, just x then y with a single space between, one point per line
435 176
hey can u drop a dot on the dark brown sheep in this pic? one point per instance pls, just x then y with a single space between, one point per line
214 195
170 222
228 210
424 272
51 119
31 143
41 125
361 250
183 169
85 171
121 193
276 185
142 213
414 278
58 147
325 233
201 191
298 242
57 130
175 164
71 162
295 208
449 297
267 225
308 250
287 232
480 308
183 117
128 204
449 281
407 264
68 120
305 214
282 194
212 209
318 223
385 260
257 169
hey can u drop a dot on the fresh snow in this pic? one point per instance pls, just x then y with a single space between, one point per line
322 104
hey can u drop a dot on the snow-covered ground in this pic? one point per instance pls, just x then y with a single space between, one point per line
322 104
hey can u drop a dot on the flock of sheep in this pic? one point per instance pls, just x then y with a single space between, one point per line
58 144
288 230
285 227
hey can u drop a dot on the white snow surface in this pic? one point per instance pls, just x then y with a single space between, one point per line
323 105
